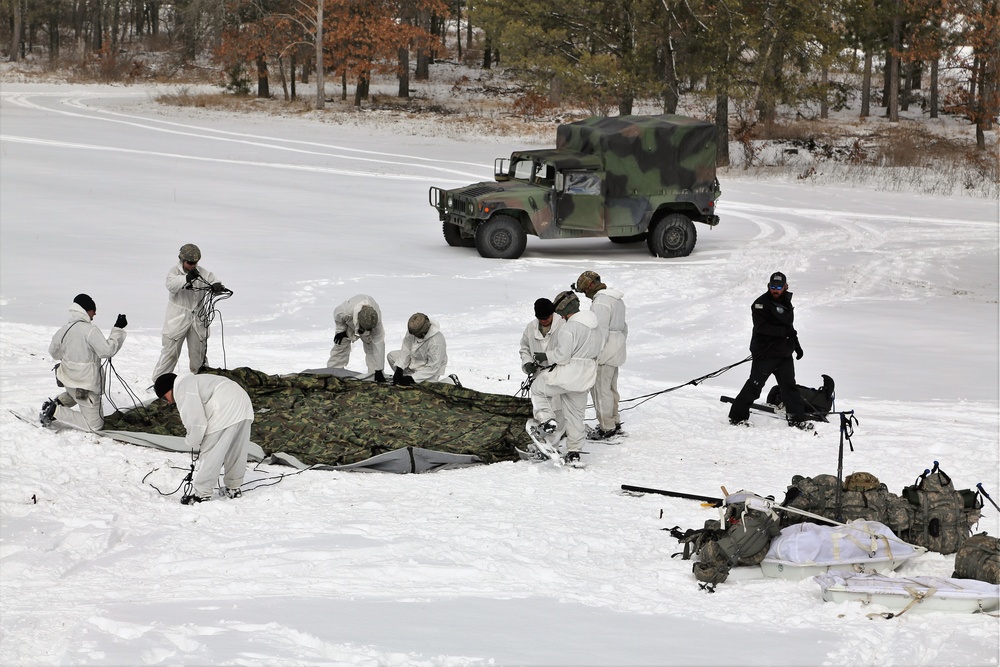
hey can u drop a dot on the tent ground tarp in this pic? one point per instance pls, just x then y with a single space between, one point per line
335 421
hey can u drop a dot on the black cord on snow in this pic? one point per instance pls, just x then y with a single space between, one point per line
111 372
646 397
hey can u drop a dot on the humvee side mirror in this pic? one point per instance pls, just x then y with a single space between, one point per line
500 167
560 183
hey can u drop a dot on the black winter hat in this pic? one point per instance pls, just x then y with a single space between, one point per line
544 309
85 302
163 384
777 278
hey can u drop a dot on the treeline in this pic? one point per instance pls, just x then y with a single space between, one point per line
740 59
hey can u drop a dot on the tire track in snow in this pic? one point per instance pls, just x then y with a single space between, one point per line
242 163
257 141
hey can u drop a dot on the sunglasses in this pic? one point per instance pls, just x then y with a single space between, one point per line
777 287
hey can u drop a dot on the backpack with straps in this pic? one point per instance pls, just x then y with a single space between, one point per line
979 558
742 537
862 496
943 517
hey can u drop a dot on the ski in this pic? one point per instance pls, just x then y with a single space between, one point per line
756 406
714 502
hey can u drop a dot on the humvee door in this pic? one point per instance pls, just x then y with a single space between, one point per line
580 200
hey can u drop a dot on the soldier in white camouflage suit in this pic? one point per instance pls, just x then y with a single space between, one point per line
609 308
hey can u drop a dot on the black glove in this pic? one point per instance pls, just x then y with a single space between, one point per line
121 322
193 275
406 381
798 352
397 376
529 368
218 288
541 357
380 377
339 338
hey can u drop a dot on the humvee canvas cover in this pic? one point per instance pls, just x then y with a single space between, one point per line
647 155
319 419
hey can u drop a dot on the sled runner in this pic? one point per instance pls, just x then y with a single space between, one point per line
902 594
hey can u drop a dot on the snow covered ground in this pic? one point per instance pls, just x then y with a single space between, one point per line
506 564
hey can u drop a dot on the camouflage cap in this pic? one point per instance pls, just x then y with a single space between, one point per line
418 325
189 253
566 303
367 318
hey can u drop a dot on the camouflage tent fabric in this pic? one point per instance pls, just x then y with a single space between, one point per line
322 419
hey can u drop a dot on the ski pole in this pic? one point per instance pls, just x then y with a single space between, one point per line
987 496
715 502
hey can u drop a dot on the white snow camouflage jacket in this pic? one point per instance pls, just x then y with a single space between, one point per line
209 403
574 351
425 359
183 303
79 346
345 317
533 341
610 311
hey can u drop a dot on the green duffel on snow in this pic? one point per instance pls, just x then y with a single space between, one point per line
979 558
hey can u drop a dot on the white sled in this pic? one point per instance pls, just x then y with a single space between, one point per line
806 549
911 594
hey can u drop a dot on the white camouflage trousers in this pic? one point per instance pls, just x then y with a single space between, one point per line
222 449
605 396
89 418
197 344
566 407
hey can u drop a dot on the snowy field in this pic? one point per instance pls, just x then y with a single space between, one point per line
509 564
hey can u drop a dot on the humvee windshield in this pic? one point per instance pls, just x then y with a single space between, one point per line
538 173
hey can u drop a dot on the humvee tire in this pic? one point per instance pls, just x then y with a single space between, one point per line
453 235
501 237
672 236
635 238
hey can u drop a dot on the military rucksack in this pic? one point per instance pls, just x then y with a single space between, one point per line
862 496
741 538
979 558
816 401
943 517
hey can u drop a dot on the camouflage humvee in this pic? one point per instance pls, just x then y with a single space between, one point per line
628 178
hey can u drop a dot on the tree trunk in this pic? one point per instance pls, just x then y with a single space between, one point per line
291 66
487 53
320 64
893 103
722 129
423 69
15 35
458 29
866 85
53 38
284 80
625 105
263 87
361 90
934 88
404 72
824 85
343 86
671 94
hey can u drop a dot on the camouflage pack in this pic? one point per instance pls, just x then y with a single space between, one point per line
741 538
979 558
942 519
862 496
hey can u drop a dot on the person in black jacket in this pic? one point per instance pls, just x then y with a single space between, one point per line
772 344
